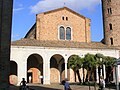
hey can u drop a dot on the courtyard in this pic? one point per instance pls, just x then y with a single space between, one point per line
57 87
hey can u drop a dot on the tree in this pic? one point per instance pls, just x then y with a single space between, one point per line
75 62
109 63
90 64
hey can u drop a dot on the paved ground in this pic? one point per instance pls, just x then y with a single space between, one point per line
55 87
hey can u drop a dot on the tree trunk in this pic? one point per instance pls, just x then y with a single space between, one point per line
88 75
75 75
78 76
83 76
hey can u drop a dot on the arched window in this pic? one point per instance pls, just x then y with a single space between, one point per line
68 33
110 26
62 33
109 10
111 41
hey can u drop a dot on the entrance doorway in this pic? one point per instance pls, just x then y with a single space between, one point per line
29 77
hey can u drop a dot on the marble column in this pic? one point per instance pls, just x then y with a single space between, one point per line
5 39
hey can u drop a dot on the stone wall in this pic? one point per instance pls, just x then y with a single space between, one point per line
5 39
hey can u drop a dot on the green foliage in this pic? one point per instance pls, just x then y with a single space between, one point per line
89 61
100 58
75 62
109 61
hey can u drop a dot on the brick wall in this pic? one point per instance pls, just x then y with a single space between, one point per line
48 24
114 19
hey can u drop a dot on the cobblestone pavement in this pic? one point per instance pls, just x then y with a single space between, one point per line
55 87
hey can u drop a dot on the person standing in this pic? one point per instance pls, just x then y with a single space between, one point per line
102 83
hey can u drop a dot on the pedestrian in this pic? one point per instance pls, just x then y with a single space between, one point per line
23 84
67 85
102 83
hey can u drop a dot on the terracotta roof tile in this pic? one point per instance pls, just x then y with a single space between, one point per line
62 44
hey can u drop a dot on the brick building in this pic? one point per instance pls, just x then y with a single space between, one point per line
111 19
44 52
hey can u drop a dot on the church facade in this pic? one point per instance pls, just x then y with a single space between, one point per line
42 56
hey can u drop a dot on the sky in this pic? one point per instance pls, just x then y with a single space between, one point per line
24 14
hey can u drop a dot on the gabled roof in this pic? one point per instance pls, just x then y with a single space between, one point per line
58 9
33 28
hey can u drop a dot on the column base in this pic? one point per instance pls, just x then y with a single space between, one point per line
46 82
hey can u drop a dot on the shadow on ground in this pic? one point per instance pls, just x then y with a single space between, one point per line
12 87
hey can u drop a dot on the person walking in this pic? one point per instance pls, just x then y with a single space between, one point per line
66 85
23 85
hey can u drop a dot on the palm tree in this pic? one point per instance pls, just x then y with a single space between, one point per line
109 63
100 59
90 64
75 63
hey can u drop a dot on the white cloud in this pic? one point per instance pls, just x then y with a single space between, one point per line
17 9
76 5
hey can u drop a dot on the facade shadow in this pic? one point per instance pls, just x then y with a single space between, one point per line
12 87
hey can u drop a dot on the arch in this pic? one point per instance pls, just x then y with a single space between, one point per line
35 69
110 26
62 33
13 78
111 41
68 33
56 69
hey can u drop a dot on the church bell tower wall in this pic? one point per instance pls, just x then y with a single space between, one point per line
111 22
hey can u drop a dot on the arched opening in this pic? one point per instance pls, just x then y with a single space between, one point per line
62 33
56 68
68 33
35 69
110 26
13 78
111 41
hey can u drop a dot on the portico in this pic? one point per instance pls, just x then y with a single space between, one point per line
49 63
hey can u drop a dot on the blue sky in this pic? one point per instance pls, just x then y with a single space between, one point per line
24 14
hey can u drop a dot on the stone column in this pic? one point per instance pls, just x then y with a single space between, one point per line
97 76
66 68
46 72
104 72
22 70
5 39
